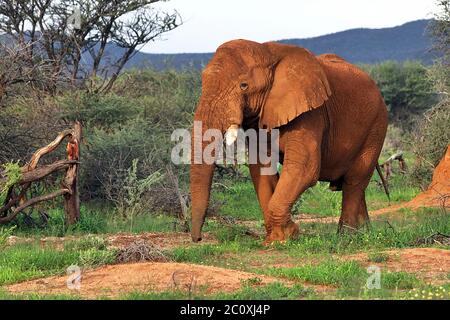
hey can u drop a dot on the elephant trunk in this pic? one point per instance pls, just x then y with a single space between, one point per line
201 179
201 174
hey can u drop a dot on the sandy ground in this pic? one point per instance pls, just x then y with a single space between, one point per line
429 264
115 280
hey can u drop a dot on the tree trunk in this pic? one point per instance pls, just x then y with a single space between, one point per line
72 198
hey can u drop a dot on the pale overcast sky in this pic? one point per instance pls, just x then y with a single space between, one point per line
208 23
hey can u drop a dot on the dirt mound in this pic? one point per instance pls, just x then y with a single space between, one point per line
115 280
437 194
439 187
430 264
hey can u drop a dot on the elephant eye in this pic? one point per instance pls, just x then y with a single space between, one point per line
243 86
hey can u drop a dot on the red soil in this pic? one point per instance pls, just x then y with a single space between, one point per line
429 264
115 280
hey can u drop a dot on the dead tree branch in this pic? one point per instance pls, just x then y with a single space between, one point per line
31 202
388 164
15 202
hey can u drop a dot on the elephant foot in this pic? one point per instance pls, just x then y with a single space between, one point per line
353 226
282 233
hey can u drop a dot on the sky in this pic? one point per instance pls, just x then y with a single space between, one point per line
209 23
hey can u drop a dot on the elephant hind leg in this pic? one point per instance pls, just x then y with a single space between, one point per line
354 210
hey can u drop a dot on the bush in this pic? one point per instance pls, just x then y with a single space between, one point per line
93 257
134 123
406 88
128 194
97 110
430 142
395 140
5 233
13 173
26 124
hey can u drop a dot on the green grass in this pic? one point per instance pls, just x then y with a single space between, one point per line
399 280
321 240
404 231
30 260
329 272
314 256
4 295
429 292
208 253
96 221
238 200
321 201
271 291
4 234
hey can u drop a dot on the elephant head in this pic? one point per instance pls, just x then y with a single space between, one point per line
249 84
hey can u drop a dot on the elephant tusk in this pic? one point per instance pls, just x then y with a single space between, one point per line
231 134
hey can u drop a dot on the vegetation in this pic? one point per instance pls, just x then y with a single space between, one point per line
406 89
12 171
128 185
48 43
318 257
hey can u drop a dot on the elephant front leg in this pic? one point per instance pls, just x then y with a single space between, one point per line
294 180
264 187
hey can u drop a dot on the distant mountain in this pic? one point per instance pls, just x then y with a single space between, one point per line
406 42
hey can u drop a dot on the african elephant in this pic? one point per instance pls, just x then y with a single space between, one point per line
331 117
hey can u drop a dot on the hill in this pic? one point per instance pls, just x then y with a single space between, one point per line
406 42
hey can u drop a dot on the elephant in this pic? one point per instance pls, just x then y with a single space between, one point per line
331 118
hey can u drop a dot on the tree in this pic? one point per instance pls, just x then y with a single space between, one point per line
432 134
406 88
439 29
73 36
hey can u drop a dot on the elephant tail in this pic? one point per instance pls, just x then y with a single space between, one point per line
383 181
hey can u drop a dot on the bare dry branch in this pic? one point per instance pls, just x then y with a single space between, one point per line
32 202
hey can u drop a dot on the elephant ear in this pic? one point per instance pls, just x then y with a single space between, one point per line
299 85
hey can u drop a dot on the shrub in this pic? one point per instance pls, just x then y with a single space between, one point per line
4 234
13 173
406 89
430 141
395 139
127 194
97 110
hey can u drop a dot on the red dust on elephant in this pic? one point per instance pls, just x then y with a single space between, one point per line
331 118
